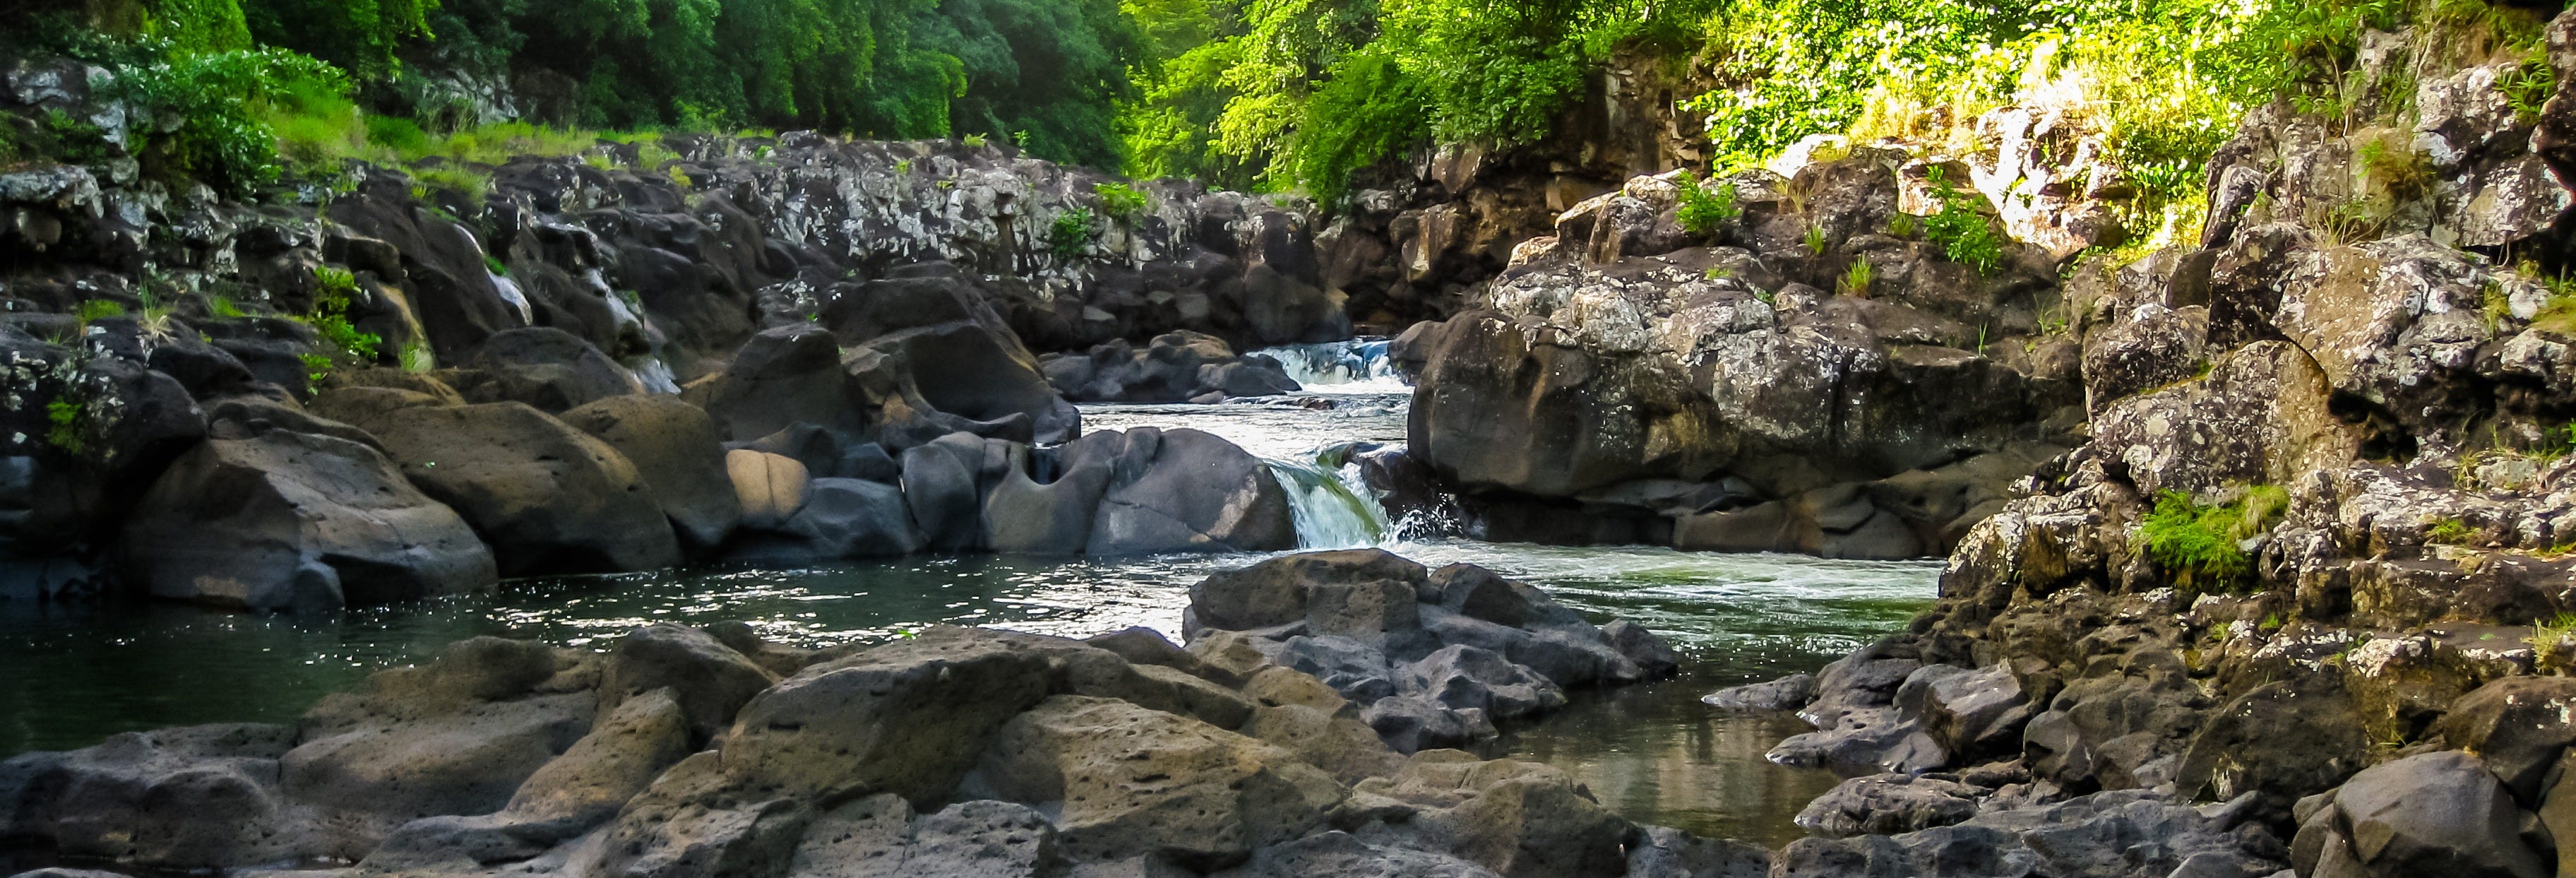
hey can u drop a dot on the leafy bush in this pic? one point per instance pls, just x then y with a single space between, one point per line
1702 211
2203 546
1120 200
1961 230
330 318
219 98
1070 235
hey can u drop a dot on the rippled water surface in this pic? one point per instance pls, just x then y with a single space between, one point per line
71 675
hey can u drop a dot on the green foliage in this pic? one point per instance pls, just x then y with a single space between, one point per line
63 426
497 267
1120 200
95 310
1815 240
2450 532
222 308
219 100
359 36
2203 546
1070 235
1856 280
1701 211
334 287
1962 231
2528 86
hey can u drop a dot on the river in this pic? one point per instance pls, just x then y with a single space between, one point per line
71 674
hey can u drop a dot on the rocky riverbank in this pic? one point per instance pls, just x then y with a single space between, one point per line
2300 599
955 751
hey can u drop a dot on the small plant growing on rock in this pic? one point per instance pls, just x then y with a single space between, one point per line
974 141
1856 281
1701 211
2527 87
63 430
1816 240
222 308
1962 231
2204 546
2553 641
1070 235
330 318
1121 200
2450 532
1901 226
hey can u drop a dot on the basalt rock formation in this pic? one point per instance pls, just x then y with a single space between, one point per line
2307 572
563 360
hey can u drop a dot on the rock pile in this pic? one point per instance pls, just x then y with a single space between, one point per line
1432 658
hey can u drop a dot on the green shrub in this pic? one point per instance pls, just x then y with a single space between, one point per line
2450 532
1701 211
1070 235
2203 546
220 100
1960 229
1120 200
330 318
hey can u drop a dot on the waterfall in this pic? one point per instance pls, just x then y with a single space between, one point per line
1355 366
1333 510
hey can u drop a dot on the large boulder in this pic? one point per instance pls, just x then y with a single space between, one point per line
2439 813
783 376
182 798
456 737
1182 491
547 497
676 448
544 367
1125 781
286 520
909 717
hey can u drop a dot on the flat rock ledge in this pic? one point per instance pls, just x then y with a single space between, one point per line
708 753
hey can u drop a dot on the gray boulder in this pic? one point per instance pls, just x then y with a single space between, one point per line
676 448
2440 813
284 520
1182 491
547 497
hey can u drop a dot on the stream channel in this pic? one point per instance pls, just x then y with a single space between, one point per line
71 674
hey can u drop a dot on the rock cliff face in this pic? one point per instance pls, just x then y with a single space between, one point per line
1708 389
571 360
956 752
2309 562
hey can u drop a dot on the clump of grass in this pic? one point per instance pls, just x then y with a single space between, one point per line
1857 279
2204 546
1070 235
95 310
1816 240
1121 200
2450 532
222 308
468 183
2553 642
1901 225
975 141
1701 211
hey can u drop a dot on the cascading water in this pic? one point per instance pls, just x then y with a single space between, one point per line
1355 366
1332 508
